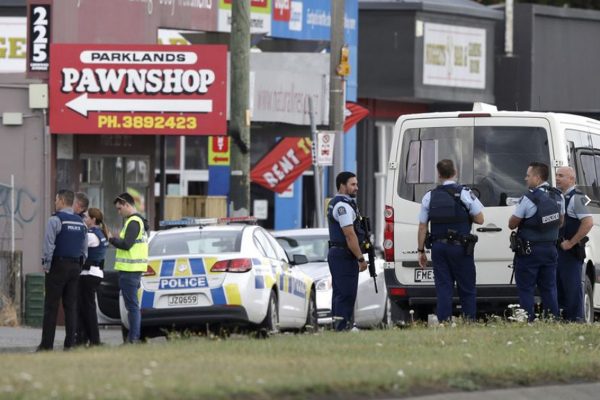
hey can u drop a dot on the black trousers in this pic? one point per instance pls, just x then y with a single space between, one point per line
87 324
60 283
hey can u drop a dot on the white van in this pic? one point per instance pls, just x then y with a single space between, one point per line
491 150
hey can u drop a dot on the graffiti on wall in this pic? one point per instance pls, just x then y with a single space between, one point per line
25 209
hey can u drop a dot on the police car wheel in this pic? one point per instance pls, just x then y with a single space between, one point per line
588 301
124 333
271 321
387 321
312 323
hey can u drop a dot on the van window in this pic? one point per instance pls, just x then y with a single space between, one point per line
492 160
588 175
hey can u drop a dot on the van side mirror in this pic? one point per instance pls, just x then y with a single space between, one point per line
299 259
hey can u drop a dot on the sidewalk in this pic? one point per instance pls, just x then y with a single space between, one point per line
26 339
581 391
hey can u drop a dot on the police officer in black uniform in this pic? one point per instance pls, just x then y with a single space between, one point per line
571 247
345 256
65 249
538 217
450 208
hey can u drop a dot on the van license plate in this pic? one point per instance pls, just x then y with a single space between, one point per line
423 275
183 300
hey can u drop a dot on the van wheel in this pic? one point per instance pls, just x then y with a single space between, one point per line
588 301
271 322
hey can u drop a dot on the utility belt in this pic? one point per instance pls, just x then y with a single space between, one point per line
342 245
88 264
453 237
522 247
577 251
67 259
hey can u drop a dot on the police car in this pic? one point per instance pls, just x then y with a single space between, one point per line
371 309
216 272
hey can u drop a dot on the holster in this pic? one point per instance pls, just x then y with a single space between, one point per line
578 251
428 240
468 242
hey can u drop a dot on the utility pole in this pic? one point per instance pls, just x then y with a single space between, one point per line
239 120
336 87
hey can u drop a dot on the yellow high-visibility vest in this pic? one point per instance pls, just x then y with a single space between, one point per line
136 258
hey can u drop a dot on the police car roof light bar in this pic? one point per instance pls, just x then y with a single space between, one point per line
238 220
188 221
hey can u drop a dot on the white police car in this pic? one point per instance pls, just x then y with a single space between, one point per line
371 308
222 275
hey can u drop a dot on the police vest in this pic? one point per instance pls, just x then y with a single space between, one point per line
447 211
543 226
69 240
136 258
571 226
96 254
336 234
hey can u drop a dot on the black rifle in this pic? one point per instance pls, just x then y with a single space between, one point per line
369 249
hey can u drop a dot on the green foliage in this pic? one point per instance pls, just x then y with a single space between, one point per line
379 363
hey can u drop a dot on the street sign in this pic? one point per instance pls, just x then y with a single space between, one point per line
325 143
218 150
138 89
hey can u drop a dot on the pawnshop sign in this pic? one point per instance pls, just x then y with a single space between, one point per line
138 89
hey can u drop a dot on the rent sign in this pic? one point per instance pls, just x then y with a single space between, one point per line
138 89
280 167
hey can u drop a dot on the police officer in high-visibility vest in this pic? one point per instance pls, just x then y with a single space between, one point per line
538 217
65 250
571 250
131 259
345 256
450 208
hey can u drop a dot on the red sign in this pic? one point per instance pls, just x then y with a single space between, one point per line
138 89
353 114
282 10
280 168
253 3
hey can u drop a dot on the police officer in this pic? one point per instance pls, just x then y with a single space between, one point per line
450 209
81 203
571 254
131 259
65 249
345 256
538 217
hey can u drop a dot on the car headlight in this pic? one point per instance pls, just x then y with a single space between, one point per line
323 284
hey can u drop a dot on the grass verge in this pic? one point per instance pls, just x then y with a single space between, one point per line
321 365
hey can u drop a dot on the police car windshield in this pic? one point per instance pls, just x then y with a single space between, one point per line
313 247
492 160
196 242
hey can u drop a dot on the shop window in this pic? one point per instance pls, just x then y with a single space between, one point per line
196 152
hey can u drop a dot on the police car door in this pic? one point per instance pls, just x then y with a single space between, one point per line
297 285
503 147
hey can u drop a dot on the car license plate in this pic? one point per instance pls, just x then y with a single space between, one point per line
183 300
423 275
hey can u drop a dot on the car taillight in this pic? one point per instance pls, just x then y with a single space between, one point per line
388 234
399 292
240 265
235 265
220 266
149 271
